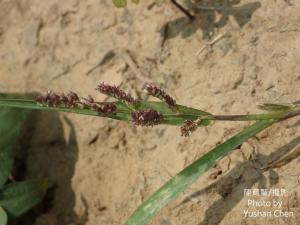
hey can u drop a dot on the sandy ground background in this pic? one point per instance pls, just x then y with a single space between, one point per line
248 54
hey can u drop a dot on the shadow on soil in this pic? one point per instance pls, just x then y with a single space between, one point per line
206 19
244 176
49 150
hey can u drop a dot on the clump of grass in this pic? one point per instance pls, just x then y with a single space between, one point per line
165 112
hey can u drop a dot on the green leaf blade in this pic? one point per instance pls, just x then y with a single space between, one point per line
124 113
276 107
11 121
6 159
18 198
3 216
147 210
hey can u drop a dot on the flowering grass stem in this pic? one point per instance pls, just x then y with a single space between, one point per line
147 113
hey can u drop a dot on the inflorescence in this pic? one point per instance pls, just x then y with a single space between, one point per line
72 100
145 117
189 126
52 99
160 94
102 109
116 92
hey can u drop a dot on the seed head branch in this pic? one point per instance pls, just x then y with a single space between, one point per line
72 100
146 117
116 92
189 127
160 94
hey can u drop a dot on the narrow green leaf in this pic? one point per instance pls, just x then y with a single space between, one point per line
135 1
276 107
11 121
172 118
120 3
17 198
147 210
3 216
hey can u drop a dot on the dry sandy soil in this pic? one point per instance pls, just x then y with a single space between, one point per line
234 56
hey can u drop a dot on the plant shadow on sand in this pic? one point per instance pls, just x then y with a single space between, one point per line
243 176
206 19
49 150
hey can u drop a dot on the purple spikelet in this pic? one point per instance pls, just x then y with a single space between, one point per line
146 117
116 92
87 102
107 108
161 94
49 99
72 100
188 127
103 109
